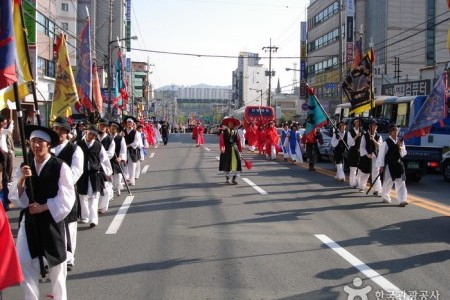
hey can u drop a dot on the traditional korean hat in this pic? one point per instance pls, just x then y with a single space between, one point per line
63 123
130 119
103 121
227 121
44 133
93 129
113 123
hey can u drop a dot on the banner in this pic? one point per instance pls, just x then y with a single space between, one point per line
84 72
96 92
65 94
433 110
358 85
7 62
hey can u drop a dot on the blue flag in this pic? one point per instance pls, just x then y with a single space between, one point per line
433 110
84 72
7 46
316 117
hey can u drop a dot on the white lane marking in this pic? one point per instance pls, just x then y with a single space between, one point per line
363 268
253 185
144 169
152 154
218 158
117 221
206 148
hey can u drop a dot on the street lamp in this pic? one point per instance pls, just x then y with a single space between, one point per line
260 91
110 72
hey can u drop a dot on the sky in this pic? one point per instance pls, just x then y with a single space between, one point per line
218 28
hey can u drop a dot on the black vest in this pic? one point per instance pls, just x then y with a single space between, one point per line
129 139
92 169
106 142
45 236
115 166
66 154
370 145
353 152
393 160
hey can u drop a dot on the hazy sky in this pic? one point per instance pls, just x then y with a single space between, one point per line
215 27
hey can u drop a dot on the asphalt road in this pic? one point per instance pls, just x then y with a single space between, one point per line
282 233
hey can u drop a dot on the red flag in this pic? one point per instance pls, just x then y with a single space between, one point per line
10 271
96 92
7 62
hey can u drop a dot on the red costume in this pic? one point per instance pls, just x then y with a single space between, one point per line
261 139
197 134
251 136
271 141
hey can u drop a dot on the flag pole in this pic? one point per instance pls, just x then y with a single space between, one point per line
29 182
310 91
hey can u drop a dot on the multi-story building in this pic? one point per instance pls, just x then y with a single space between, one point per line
140 93
405 38
66 21
249 81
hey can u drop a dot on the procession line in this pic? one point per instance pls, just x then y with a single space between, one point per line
253 185
118 219
144 169
363 268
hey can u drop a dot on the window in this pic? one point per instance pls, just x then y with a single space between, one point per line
45 67
65 26
64 6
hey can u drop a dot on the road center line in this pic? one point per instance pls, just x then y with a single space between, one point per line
253 185
207 149
117 221
363 268
144 169
152 154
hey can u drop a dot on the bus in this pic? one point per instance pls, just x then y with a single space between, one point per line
259 114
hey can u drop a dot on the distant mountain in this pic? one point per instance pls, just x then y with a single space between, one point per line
201 85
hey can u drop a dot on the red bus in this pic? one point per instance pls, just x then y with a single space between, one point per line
259 114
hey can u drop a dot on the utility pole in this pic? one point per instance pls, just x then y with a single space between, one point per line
341 52
110 68
397 68
270 49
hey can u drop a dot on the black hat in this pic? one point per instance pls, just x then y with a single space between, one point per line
93 129
373 121
392 127
356 119
42 132
126 118
103 121
63 123
113 123
341 123
2 118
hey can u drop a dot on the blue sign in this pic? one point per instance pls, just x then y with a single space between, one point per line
330 85
305 106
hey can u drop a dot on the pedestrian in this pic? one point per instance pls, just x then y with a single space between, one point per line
354 141
311 141
271 147
165 129
73 156
197 134
294 147
120 155
370 146
132 140
42 232
96 169
339 148
284 141
392 168
110 146
230 148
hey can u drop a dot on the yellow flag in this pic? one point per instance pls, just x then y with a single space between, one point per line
8 94
65 94
22 60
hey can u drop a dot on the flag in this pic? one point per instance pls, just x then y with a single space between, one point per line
358 53
65 94
7 62
96 92
84 71
358 85
10 271
315 117
433 110
121 94
22 56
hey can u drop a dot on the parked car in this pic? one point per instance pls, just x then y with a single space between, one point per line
445 166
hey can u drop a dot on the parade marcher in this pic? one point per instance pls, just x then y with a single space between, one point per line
370 145
251 136
391 166
132 140
271 138
294 147
110 146
354 141
311 142
158 137
92 183
165 129
120 155
339 147
42 230
6 131
230 148
73 156
197 134
142 148
284 141
80 129
241 132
